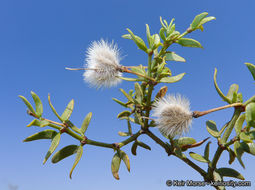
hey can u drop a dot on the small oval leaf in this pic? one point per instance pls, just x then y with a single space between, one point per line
115 166
68 111
212 128
185 141
125 159
172 79
229 172
197 20
239 152
38 104
133 148
123 134
85 123
250 114
232 93
207 151
251 68
46 134
239 124
198 157
53 146
171 56
64 153
188 42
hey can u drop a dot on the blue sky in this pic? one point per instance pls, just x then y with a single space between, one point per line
40 38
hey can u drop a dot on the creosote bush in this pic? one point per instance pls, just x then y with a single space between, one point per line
170 114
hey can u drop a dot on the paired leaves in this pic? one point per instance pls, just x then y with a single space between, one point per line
116 160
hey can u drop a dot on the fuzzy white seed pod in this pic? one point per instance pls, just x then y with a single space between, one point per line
102 64
173 115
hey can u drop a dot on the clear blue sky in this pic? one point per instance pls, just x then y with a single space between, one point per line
38 39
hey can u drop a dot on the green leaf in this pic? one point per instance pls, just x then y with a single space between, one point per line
212 128
162 23
139 69
64 153
53 109
29 106
185 141
155 41
207 151
207 19
127 95
46 134
171 56
77 159
124 114
232 93
172 79
38 123
123 134
188 42
239 124
251 68
138 93
38 104
68 111
148 34
133 148
125 159
130 79
248 147
162 34
232 156
197 20
198 157
218 89
239 152
115 166
141 144
138 41
250 114
53 146
245 137
85 123
229 172
252 134
120 102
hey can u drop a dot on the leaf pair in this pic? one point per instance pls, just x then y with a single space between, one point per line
116 160
38 104
66 152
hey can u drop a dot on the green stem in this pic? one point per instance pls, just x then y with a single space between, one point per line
225 137
159 141
231 125
149 65
130 139
148 105
193 165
